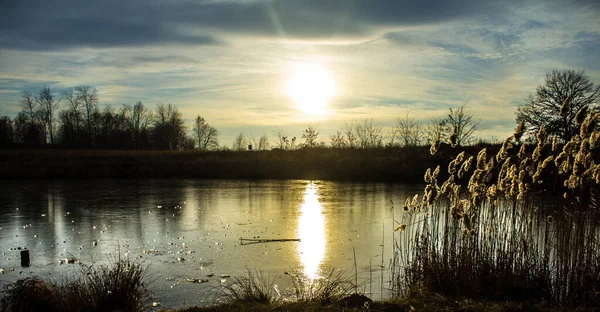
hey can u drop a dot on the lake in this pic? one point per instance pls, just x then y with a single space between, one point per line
191 229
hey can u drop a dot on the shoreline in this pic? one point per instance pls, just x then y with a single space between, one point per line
402 165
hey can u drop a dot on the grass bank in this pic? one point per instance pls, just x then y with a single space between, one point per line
378 164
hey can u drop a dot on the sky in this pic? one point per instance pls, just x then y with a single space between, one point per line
230 61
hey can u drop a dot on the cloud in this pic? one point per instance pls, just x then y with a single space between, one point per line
51 25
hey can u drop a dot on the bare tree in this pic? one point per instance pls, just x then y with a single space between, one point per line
310 137
338 140
47 105
349 131
367 134
169 130
205 135
436 130
29 104
462 124
282 139
263 142
139 120
89 98
557 102
408 131
240 142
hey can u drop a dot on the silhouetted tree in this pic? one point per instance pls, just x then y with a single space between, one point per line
337 140
6 131
29 129
407 131
139 120
47 106
310 135
168 130
263 142
89 99
239 143
436 130
71 119
557 102
205 135
461 126
367 134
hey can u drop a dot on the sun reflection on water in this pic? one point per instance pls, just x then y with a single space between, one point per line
311 231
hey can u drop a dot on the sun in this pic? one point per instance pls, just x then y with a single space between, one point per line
311 87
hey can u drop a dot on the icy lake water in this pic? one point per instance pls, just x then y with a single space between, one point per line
191 229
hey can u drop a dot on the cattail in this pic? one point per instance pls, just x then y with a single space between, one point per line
555 143
581 115
541 135
565 166
454 136
415 201
519 131
400 228
594 139
503 152
588 125
522 152
466 166
560 158
492 192
537 152
571 146
427 176
564 108
435 173
490 164
460 157
481 159
434 146
547 161
452 167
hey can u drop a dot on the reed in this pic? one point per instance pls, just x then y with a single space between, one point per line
496 229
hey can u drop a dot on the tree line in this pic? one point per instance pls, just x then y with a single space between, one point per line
75 120
566 97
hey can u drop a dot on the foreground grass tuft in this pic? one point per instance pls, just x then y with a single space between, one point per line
119 287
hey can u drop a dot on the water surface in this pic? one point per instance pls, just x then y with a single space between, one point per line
191 229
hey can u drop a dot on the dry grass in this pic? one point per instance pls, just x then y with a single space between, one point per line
119 287
520 225
330 287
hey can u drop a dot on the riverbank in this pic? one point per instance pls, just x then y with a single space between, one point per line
405 165
428 302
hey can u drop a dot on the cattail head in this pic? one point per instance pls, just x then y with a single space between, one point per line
460 157
541 135
589 125
581 115
406 206
522 152
435 173
454 136
427 176
555 143
434 146
481 159
564 108
519 131
400 228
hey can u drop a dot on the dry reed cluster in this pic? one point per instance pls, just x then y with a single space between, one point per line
519 225
121 286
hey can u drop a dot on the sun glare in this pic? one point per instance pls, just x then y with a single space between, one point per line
311 87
